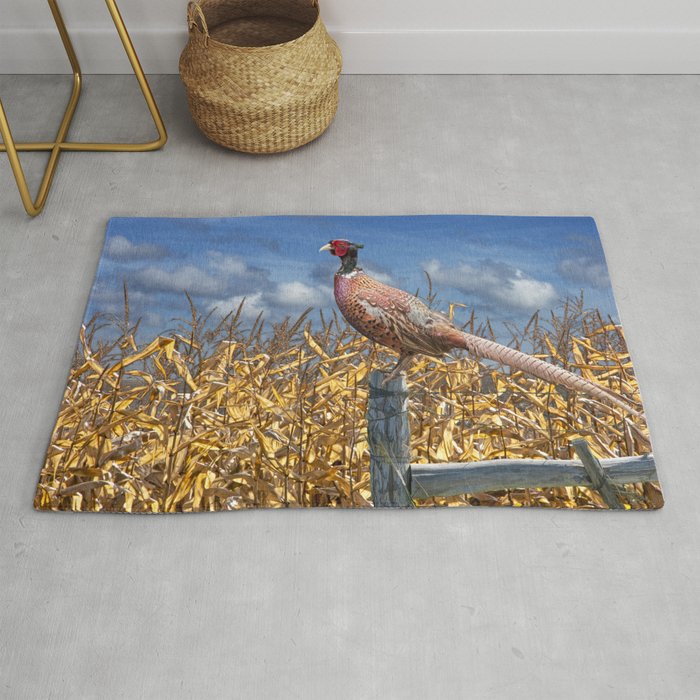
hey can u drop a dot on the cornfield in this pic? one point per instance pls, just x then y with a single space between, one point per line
221 415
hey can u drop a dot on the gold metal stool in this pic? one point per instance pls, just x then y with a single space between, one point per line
34 207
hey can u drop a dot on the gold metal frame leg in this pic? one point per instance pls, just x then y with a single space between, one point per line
34 207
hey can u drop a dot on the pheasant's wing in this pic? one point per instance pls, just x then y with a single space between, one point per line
382 296
404 317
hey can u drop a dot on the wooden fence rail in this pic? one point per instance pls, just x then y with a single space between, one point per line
398 483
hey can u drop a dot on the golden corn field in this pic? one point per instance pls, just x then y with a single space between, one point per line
221 416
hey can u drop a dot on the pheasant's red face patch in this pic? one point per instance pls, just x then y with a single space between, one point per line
340 248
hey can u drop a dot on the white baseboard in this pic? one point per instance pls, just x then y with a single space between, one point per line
463 51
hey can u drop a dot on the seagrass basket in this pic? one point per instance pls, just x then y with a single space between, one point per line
261 76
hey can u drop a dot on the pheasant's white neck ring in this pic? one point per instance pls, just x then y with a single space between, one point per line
349 275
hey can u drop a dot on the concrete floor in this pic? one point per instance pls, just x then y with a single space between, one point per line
462 603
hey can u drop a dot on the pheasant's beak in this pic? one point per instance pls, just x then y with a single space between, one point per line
328 246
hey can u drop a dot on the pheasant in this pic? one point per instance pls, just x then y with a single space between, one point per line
403 323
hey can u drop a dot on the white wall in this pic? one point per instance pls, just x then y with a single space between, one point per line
394 36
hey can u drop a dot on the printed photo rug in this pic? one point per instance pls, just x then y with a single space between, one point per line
349 362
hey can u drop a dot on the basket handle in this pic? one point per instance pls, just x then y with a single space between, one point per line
197 20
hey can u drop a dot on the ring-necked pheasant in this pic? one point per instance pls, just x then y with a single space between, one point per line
403 323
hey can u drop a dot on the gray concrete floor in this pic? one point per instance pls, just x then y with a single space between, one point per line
462 603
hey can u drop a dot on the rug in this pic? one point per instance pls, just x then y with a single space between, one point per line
349 362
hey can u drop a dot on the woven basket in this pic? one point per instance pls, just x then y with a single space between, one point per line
261 75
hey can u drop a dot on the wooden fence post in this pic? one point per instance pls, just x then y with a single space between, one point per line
597 474
389 436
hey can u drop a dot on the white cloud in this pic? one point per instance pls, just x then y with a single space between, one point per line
253 306
111 299
378 274
584 270
526 293
495 284
230 265
221 275
189 279
299 294
121 248
286 299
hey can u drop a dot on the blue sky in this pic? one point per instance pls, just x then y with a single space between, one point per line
504 267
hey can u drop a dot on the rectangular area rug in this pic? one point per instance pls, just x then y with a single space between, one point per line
350 362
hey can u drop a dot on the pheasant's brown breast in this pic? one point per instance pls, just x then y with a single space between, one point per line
373 324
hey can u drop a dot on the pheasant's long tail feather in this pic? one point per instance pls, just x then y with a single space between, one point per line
481 347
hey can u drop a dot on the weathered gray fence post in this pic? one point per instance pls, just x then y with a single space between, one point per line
389 439
597 475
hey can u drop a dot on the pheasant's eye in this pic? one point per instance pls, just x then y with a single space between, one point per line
340 248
